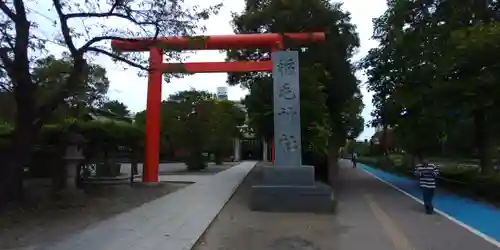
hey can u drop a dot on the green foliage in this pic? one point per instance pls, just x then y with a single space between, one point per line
116 108
111 133
360 147
225 122
194 121
186 122
99 135
49 74
435 69
101 141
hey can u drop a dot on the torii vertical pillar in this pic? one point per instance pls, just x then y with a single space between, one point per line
152 144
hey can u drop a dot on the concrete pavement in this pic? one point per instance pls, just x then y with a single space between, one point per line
179 168
175 221
371 215
371 208
183 178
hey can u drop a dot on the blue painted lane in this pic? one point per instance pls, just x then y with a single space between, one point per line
482 217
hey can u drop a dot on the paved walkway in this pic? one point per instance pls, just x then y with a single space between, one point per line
378 216
184 178
179 168
376 211
372 215
173 222
477 217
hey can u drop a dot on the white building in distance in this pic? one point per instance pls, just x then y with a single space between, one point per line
222 93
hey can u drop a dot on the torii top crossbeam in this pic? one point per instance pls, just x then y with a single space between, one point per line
218 42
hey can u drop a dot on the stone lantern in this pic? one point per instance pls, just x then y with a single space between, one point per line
73 158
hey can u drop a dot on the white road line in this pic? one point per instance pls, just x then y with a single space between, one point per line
449 217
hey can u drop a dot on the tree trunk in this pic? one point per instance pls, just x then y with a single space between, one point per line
334 172
484 141
11 179
385 143
333 166
11 182
20 150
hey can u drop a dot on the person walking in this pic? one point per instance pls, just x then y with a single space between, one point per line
354 159
427 174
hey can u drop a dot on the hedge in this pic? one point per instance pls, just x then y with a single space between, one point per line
95 132
101 139
466 181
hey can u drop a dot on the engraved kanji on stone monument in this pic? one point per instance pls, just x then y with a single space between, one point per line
289 142
288 112
286 92
286 96
287 66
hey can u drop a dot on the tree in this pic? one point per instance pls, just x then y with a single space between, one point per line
117 108
186 124
396 73
20 44
330 97
194 122
434 68
225 124
90 92
49 73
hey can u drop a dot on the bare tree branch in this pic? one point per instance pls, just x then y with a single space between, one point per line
5 88
22 39
94 40
119 58
103 14
108 14
7 10
65 30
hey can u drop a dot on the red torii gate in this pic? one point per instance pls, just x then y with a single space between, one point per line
273 41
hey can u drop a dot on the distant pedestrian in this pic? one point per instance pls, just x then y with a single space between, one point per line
354 159
427 174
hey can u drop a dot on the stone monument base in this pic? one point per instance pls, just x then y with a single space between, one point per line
290 189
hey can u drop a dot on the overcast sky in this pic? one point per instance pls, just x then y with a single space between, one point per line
130 89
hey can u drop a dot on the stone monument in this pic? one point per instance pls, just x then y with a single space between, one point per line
288 186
